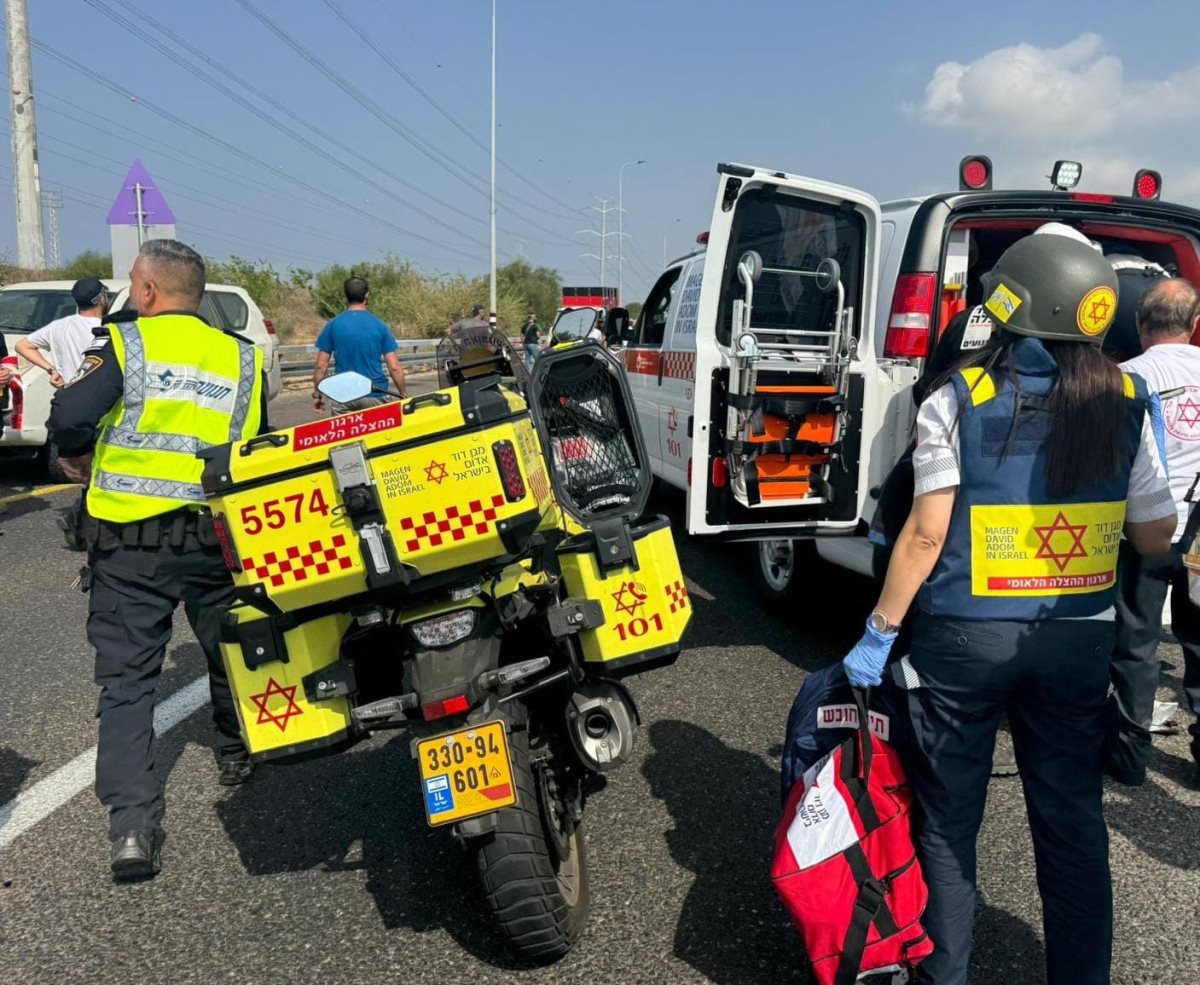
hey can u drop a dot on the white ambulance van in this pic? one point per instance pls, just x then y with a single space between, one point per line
773 369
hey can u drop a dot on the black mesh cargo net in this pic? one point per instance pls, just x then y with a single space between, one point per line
470 355
587 426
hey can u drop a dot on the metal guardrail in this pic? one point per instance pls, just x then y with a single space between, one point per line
296 360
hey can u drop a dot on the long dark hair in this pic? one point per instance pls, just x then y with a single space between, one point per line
1086 438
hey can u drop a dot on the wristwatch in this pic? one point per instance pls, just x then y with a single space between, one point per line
881 623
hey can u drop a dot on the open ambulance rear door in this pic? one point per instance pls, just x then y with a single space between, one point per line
786 378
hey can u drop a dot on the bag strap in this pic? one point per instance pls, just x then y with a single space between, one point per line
866 908
857 754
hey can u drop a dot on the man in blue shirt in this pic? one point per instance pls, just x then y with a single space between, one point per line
361 343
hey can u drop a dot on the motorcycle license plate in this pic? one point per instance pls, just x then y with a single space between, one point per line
466 773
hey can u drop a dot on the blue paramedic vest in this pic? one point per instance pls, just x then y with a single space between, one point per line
1014 552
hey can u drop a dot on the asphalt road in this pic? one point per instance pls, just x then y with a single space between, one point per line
327 872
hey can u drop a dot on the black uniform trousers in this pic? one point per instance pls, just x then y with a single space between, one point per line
1142 589
135 591
1052 678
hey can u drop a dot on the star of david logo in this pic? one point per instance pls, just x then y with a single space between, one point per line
1061 528
279 717
435 472
1189 413
672 420
1099 311
636 597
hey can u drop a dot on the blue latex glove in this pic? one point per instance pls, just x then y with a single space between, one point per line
864 664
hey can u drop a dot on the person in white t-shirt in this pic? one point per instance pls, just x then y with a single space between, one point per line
1170 365
66 339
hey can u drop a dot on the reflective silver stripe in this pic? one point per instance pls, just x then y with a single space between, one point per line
241 409
191 492
135 373
123 437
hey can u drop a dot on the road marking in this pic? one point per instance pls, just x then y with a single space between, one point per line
46 796
39 491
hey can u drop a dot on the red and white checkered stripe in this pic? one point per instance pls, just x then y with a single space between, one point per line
298 564
678 595
456 523
679 365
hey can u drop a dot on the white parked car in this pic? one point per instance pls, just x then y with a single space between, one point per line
25 308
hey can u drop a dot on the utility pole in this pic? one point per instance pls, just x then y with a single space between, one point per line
604 207
52 199
492 280
621 223
31 246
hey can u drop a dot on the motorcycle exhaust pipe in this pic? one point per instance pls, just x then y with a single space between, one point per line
602 722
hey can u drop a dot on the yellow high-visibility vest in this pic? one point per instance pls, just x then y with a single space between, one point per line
188 386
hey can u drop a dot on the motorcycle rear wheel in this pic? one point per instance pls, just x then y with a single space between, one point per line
540 903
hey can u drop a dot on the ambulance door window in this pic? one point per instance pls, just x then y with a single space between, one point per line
643 361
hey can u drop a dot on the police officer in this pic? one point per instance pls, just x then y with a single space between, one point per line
1030 460
160 388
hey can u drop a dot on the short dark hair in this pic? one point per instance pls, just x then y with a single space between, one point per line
1167 308
356 289
179 267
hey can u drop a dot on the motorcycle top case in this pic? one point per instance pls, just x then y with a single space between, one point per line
275 666
377 498
644 599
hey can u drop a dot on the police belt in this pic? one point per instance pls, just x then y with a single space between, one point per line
173 529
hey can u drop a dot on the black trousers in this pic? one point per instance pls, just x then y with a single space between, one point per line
1142 590
1052 678
135 592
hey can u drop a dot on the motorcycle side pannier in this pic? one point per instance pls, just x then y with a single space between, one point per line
374 499
644 600
275 665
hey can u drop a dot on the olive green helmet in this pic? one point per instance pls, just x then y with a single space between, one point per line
1051 287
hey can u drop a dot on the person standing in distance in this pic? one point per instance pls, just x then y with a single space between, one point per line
161 389
1031 458
532 339
1170 365
66 339
361 343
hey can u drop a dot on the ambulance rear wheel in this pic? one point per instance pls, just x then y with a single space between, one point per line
776 570
540 899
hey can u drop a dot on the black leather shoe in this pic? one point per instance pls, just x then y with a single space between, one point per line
137 854
234 772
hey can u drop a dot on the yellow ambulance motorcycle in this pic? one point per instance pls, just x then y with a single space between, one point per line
472 566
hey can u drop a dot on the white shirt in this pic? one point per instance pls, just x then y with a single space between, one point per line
936 459
66 339
1169 367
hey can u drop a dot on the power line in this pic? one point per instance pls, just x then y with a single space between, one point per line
472 180
216 84
100 79
454 121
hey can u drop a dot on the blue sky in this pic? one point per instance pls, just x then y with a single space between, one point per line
882 96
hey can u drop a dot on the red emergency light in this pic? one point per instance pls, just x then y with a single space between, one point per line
975 173
1147 184
702 239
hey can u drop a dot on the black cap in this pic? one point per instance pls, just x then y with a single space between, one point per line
477 310
88 292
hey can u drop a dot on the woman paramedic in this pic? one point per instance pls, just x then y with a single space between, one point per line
1033 455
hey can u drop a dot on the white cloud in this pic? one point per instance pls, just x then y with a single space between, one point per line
1076 93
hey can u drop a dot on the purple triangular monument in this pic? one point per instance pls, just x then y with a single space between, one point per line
155 210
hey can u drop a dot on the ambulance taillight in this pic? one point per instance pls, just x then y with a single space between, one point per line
911 318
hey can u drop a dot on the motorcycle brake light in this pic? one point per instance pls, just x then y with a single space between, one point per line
228 551
510 470
445 707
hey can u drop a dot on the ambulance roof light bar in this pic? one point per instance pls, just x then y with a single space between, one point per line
975 173
1065 175
1147 184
